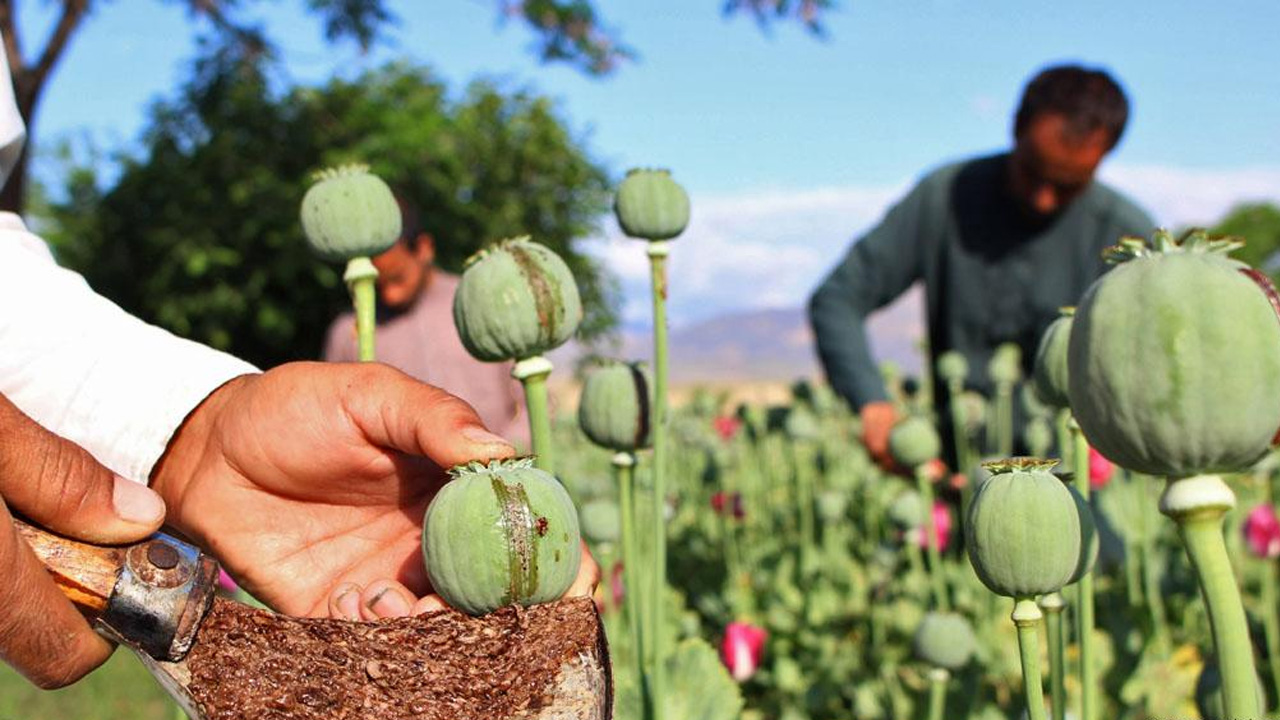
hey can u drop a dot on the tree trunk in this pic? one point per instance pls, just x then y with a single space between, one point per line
13 196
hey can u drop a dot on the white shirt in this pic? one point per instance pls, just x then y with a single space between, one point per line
88 371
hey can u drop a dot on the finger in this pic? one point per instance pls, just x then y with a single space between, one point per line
430 603
344 602
588 576
59 485
396 411
41 634
386 599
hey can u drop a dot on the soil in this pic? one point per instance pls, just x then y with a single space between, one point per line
251 664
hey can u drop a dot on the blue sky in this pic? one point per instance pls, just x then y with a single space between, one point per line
789 146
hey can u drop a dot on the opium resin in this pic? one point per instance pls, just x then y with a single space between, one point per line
251 664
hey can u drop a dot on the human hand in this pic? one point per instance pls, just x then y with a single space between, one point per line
386 598
314 475
58 485
878 419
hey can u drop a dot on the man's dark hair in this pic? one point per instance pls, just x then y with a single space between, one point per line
1088 98
410 220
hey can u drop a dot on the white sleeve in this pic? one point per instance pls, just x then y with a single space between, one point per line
87 370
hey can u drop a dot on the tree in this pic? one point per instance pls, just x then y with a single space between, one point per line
566 30
200 233
1259 225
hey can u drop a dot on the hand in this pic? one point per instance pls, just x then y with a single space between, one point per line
386 598
58 485
878 419
314 475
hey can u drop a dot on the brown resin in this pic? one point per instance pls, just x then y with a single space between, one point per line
251 664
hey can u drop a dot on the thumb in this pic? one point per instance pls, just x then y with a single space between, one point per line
59 485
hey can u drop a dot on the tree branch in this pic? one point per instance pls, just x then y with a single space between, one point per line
73 11
12 43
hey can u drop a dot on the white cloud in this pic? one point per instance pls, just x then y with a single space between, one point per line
770 248
1183 196
754 250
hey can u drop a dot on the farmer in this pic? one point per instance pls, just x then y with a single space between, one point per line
416 332
307 481
1000 243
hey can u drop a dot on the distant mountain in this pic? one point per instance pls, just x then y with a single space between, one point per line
773 344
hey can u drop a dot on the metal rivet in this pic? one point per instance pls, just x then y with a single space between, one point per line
162 555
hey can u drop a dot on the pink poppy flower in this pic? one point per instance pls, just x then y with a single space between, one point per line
1262 531
1100 470
742 649
942 522
727 426
723 502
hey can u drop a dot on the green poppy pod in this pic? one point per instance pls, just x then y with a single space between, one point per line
973 411
1174 359
499 534
945 640
832 505
953 368
906 511
1032 405
801 425
1038 436
516 299
1050 373
614 410
350 212
600 521
1023 534
1005 366
914 441
651 205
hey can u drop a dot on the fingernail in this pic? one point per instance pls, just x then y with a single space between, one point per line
348 603
480 436
388 604
136 503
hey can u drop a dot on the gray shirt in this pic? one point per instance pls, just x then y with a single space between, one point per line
423 342
990 274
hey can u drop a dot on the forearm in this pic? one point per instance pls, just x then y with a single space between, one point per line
839 329
90 372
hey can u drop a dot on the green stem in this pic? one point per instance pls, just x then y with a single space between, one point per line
804 498
1135 560
624 466
964 462
361 278
1062 423
1004 420
1198 504
1027 616
1150 576
914 555
1089 690
1053 605
532 374
658 252
1271 621
938 678
936 579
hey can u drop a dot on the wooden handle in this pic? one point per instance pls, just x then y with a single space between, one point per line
85 573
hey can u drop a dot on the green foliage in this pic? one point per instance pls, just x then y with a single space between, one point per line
119 689
200 234
1259 225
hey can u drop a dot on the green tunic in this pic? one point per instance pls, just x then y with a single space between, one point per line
990 275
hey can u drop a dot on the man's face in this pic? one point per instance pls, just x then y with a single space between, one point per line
403 273
1050 166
